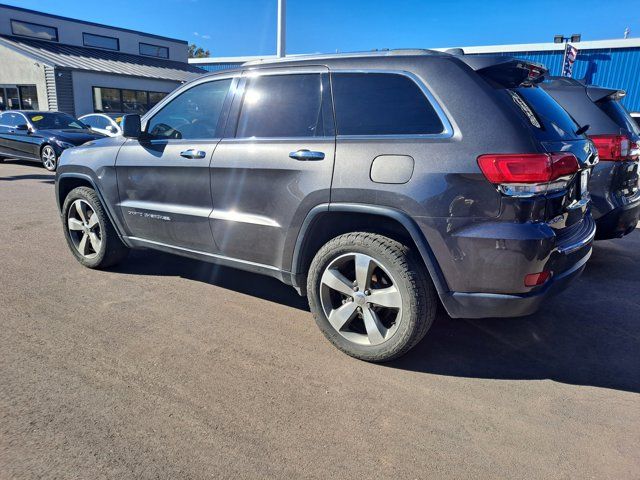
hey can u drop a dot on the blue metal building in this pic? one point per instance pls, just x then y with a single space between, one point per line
607 63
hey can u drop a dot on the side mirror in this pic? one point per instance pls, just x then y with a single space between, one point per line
131 127
23 128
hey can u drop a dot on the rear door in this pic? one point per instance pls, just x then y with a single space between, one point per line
275 163
163 178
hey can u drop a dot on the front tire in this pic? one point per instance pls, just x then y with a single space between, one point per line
88 231
49 158
370 296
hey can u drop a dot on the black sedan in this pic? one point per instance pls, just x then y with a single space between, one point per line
41 136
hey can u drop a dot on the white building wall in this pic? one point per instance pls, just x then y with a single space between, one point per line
16 69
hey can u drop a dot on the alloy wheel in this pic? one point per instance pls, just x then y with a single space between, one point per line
84 228
360 298
48 158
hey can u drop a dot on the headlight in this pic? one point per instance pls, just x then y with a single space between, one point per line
64 144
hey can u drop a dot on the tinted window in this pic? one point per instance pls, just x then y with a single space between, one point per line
616 112
193 114
134 101
549 120
282 106
106 100
100 41
154 50
382 104
34 30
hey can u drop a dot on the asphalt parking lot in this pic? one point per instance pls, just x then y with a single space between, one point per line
171 368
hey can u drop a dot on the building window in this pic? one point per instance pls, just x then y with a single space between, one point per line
154 50
28 97
100 41
116 100
18 97
34 30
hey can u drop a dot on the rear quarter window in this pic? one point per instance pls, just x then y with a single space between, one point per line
547 119
382 104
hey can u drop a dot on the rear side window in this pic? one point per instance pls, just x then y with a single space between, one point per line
382 104
616 112
282 106
548 119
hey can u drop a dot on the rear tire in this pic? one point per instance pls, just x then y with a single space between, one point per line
49 158
88 231
382 319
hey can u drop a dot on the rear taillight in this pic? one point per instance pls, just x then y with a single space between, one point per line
528 173
615 148
535 279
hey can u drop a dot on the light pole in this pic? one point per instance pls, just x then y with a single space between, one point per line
282 28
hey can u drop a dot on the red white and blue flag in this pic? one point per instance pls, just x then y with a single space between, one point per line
570 55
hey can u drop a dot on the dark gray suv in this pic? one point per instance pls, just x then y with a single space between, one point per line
375 184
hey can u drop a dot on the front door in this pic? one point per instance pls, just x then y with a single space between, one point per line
163 178
274 164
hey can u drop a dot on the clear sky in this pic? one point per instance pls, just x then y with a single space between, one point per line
247 27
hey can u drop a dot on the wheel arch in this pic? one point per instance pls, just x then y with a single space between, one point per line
66 182
330 220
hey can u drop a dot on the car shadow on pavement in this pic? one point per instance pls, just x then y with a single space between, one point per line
587 335
149 262
43 178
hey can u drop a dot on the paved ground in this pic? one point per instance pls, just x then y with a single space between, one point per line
171 368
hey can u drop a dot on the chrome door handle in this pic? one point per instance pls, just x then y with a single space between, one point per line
193 153
305 155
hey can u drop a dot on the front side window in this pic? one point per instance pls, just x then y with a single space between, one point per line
154 50
192 114
282 106
33 30
100 41
382 104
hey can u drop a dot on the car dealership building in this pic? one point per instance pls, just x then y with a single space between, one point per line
48 62
608 63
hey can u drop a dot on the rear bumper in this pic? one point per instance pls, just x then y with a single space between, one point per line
567 262
618 222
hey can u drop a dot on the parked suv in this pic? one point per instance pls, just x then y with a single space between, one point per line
375 184
614 183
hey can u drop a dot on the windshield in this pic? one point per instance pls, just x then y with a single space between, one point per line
616 112
55 121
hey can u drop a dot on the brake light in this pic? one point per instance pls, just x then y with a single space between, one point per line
535 279
528 173
614 148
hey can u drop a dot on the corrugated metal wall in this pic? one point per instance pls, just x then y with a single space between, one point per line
50 84
611 67
64 91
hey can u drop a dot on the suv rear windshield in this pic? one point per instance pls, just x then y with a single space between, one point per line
616 112
548 120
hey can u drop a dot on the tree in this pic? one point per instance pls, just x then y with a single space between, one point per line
197 52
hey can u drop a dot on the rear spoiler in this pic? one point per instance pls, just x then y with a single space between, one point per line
594 92
599 93
507 71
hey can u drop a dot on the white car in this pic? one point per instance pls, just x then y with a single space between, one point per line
106 123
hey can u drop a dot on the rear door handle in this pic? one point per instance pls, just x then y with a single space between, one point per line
193 153
305 155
